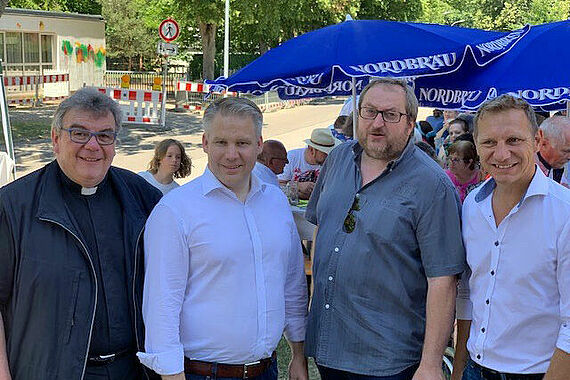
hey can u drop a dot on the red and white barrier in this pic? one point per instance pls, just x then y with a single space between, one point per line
33 101
138 106
35 79
192 108
200 87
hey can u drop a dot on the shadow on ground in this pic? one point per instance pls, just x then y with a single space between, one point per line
31 145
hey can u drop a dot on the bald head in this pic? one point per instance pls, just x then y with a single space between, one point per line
273 155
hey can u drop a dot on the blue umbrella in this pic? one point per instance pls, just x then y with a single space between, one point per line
324 58
535 69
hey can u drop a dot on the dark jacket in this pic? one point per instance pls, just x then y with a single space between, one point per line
47 280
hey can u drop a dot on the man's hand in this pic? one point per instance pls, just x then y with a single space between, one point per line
305 189
298 365
4 368
298 368
424 373
178 376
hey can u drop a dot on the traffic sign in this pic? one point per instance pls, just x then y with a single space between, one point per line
169 30
165 48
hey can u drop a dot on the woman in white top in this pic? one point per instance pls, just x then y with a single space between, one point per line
170 161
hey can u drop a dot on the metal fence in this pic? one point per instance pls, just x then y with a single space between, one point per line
143 80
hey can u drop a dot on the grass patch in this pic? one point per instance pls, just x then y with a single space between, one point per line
30 130
283 358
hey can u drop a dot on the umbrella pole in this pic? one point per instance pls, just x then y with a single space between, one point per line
354 110
568 108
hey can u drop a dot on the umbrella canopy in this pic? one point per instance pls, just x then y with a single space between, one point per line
325 58
534 69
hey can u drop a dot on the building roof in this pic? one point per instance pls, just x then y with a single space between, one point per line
39 13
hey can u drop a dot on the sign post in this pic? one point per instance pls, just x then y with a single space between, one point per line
168 31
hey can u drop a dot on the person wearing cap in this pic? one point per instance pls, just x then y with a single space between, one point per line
387 251
305 163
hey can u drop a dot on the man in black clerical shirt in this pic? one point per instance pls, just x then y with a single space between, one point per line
71 255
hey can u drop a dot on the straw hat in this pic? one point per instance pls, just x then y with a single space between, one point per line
322 140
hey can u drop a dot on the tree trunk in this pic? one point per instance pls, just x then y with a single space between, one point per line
141 63
130 66
208 34
263 47
3 4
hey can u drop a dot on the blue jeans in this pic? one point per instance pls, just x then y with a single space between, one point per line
270 374
336 374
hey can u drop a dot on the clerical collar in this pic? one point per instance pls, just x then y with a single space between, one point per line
77 188
543 161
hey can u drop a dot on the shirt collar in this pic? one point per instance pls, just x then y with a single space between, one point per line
538 186
76 188
210 183
543 161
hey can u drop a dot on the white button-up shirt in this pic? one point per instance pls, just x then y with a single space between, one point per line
224 279
518 292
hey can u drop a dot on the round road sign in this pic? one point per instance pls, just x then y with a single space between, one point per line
169 30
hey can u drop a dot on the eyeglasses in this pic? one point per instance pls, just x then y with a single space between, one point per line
350 220
82 136
388 116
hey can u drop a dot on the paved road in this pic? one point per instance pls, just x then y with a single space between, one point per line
136 142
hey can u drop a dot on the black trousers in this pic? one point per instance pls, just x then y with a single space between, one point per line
124 368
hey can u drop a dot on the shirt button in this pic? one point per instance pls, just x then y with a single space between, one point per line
330 278
497 243
478 356
492 273
487 302
327 306
483 330
336 249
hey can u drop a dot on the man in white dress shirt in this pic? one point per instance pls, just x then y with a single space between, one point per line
513 306
224 274
271 161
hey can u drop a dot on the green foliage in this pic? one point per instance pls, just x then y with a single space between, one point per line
77 6
494 14
127 35
404 10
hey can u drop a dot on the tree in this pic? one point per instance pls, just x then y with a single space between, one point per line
494 14
78 6
404 10
3 4
206 15
126 33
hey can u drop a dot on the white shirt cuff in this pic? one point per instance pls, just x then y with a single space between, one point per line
463 309
563 341
164 363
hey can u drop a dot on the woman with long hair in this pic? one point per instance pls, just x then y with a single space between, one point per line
170 161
